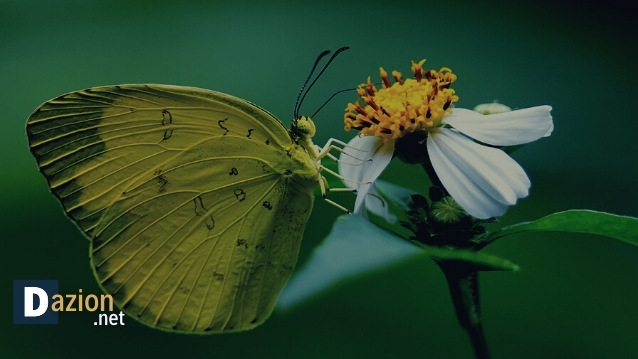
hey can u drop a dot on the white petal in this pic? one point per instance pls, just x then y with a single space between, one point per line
506 128
361 163
492 107
383 195
469 196
481 179
375 204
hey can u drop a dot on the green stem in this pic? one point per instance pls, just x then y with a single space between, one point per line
463 284
427 166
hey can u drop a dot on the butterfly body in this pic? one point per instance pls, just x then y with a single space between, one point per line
194 201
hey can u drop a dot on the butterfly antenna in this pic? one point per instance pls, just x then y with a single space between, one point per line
314 67
330 98
302 93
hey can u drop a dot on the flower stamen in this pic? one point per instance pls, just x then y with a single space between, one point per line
402 107
384 77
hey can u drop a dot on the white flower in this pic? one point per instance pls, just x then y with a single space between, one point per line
461 144
482 179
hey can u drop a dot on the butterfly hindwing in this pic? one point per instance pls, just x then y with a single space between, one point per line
193 203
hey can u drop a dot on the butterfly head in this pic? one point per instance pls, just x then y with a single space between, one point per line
303 128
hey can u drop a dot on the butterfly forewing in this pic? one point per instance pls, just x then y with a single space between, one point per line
192 200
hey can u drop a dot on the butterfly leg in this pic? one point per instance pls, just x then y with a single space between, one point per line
324 152
325 189
329 146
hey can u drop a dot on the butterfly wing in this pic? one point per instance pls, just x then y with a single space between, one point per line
193 203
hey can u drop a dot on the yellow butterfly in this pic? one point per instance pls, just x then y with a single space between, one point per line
194 201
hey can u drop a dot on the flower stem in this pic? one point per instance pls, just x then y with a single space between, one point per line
427 166
463 283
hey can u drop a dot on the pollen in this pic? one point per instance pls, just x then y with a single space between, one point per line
403 106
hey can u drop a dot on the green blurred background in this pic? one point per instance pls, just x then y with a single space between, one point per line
575 296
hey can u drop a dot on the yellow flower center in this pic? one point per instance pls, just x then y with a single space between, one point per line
404 106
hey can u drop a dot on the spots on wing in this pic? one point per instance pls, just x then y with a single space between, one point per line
242 127
200 210
199 206
221 124
239 194
210 222
167 120
161 180
167 134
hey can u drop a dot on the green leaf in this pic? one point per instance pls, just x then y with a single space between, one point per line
477 260
623 228
355 247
